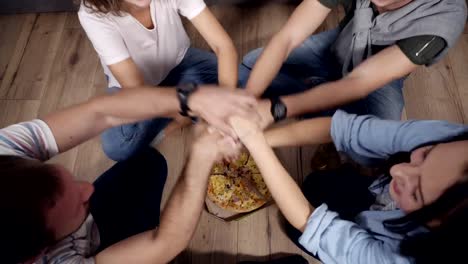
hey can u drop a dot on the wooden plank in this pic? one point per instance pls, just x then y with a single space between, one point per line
214 241
91 161
36 63
72 21
11 53
279 241
458 57
15 111
431 93
72 75
71 81
229 17
260 23
253 241
10 30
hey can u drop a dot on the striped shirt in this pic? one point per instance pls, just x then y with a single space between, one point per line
34 140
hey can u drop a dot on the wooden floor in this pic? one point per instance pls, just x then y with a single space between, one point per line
47 62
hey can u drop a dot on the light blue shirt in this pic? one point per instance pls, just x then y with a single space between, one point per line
368 139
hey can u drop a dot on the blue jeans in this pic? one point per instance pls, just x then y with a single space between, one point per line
312 64
127 197
120 143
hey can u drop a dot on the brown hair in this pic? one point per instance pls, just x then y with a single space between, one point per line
104 6
28 188
450 210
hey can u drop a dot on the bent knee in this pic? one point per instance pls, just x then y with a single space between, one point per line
251 58
116 146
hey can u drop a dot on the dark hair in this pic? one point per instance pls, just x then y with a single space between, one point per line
450 211
28 188
104 6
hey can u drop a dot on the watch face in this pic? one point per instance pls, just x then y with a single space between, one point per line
279 111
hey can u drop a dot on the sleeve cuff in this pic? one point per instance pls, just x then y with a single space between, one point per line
110 61
51 143
195 12
340 121
318 222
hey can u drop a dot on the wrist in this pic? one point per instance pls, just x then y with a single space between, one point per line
254 140
200 153
184 94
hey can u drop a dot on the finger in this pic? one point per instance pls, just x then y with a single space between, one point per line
244 98
224 128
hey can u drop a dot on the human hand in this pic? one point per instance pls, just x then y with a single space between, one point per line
215 105
247 130
213 145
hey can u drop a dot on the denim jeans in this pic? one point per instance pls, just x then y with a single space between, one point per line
120 143
312 64
127 197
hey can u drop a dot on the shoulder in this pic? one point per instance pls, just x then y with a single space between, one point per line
78 247
87 14
32 139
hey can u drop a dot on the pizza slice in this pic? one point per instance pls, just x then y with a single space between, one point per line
242 200
220 190
261 186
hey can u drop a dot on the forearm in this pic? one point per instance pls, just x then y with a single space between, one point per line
308 132
285 191
181 215
326 96
177 224
78 123
304 21
375 72
227 66
268 65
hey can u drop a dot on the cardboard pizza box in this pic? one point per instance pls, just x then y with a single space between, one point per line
228 216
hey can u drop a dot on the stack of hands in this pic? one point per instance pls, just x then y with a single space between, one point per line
227 126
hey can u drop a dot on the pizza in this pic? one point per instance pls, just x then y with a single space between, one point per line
238 186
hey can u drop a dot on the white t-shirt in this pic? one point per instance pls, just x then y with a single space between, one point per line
155 51
34 140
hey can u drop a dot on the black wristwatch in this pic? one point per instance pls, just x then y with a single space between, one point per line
278 109
183 93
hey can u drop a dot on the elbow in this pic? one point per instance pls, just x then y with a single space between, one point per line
226 47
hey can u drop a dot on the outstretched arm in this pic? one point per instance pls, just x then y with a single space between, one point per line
181 214
78 123
308 132
221 44
285 191
305 20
